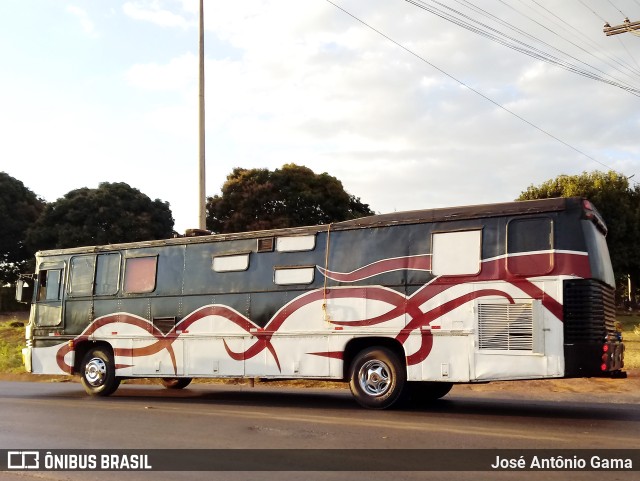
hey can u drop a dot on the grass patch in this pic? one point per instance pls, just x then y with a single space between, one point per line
11 344
631 338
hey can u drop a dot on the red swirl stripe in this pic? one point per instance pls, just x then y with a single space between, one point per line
416 263
570 264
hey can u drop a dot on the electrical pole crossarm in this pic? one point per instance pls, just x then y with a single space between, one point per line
626 26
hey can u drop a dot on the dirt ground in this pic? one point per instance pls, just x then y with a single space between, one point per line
606 390
630 385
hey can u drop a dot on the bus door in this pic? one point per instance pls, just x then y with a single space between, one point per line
49 295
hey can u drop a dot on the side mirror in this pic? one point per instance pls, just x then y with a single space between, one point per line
24 290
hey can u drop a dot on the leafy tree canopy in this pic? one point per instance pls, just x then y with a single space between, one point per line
618 203
293 196
19 209
112 213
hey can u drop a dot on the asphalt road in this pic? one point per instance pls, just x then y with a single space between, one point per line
61 416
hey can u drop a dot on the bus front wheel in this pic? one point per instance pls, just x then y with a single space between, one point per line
377 378
99 372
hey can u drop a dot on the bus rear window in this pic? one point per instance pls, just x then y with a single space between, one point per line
599 260
530 246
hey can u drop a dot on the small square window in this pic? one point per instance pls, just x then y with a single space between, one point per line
297 243
456 253
293 275
140 274
231 263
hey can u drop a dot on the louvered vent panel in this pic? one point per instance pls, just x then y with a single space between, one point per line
505 327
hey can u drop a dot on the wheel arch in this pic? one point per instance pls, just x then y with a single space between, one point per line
82 348
356 345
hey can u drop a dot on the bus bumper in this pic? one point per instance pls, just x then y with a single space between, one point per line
594 359
26 359
613 356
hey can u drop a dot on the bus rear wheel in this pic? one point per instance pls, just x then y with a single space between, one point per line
98 372
377 378
175 382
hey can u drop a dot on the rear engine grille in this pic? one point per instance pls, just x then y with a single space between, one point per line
589 311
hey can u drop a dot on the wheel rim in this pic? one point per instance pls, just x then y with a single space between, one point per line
375 377
95 372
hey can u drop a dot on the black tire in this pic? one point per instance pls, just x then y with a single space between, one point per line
425 392
377 378
176 382
98 372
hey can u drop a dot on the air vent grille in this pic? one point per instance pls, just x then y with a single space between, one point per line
266 244
505 327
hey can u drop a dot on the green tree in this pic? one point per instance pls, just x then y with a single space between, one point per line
112 213
293 196
19 209
618 203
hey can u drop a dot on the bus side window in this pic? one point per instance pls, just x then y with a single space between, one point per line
456 253
530 246
49 285
82 270
107 274
140 274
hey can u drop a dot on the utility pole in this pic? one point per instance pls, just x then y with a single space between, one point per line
202 195
626 26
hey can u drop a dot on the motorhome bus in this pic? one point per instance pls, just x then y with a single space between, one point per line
397 304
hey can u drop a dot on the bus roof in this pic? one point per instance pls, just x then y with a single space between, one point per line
374 221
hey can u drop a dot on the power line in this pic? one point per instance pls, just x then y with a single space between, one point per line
588 51
594 76
592 11
630 54
522 47
594 46
455 79
616 8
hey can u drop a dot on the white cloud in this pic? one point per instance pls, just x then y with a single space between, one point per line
153 11
85 22
311 85
177 75
291 81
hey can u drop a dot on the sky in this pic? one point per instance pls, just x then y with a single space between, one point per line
408 109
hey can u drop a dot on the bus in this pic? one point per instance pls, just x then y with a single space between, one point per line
398 305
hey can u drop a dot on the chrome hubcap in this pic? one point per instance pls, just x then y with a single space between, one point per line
375 377
95 372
